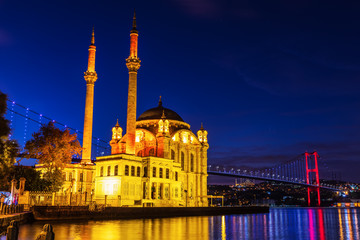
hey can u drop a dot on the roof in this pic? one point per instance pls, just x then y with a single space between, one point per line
157 113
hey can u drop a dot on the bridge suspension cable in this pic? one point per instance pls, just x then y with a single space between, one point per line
30 115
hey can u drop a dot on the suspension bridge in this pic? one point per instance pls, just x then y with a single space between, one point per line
302 171
24 121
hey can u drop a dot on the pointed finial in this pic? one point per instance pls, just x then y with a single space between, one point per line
93 36
117 123
160 102
134 23
163 114
202 127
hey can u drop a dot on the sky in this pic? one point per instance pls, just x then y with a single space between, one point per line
269 79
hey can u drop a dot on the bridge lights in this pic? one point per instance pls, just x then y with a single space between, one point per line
238 171
209 167
217 168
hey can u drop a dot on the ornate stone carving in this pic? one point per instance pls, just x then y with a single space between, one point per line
133 64
90 77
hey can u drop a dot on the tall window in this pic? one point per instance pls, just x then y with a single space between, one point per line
70 176
81 177
145 172
126 170
192 162
101 171
167 173
138 171
132 171
172 154
154 171
176 176
160 172
116 170
109 170
182 161
151 152
139 153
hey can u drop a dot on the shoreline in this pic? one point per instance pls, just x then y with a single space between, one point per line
53 213
24 217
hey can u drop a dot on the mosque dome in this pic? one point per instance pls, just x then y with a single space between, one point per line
157 113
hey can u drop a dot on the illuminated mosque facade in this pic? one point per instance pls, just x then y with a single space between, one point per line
159 162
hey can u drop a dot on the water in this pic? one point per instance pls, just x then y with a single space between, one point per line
279 224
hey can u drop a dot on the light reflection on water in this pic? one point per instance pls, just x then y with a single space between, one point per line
279 224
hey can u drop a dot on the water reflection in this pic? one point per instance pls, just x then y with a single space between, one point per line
280 223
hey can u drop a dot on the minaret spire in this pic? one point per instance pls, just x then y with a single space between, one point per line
133 64
134 23
90 78
93 37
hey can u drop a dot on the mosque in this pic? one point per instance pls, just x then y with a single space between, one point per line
159 162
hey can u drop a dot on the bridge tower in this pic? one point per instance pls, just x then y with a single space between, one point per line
312 159
133 65
90 78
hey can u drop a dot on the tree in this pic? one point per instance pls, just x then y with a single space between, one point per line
54 148
34 182
9 149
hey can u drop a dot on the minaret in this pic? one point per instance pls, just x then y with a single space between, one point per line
133 64
90 78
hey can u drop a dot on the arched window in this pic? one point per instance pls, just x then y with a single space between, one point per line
109 170
151 152
116 170
132 171
182 161
192 162
139 154
145 172
101 171
126 170
172 154
138 171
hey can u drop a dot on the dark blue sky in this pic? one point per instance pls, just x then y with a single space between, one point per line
269 79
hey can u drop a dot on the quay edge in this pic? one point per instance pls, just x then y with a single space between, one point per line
83 212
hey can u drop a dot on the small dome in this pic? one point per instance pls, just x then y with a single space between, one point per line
157 112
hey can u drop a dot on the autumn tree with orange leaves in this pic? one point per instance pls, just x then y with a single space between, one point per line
54 148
